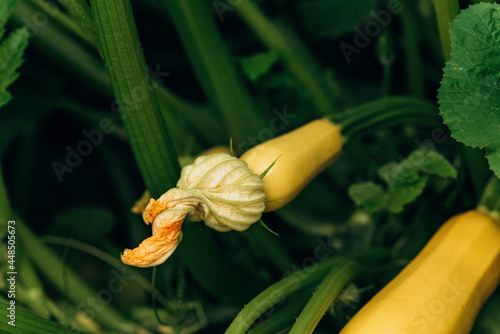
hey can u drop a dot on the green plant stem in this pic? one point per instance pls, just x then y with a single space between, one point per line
61 19
65 51
103 256
411 41
490 199
215 67
429 33
295 282
446 10
34 295
58 45
274 38
137 101
79 10
51 266
282 319
277 292
385 111
323 297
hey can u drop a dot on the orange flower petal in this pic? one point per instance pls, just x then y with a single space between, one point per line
153 209
155 249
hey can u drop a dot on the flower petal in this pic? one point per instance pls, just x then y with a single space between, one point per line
153 208
155 249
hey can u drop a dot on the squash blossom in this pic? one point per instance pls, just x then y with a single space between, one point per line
219 189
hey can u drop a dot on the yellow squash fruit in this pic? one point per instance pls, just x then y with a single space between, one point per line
300 155
442 290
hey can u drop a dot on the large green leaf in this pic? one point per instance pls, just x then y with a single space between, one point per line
469 96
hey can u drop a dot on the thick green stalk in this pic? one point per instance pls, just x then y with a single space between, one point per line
386 111
132 87
295 57
123 55
282 319
295 282
215 67
198 117
277 292
323 297
446 10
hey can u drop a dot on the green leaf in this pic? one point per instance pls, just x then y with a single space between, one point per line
264 173
393 174
11 57
369 195
259 64
469 96
27 322
404 181
405 192
6 9
429 162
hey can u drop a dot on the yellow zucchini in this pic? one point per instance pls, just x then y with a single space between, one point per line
442 290
300 155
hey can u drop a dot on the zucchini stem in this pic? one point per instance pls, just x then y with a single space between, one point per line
490 200
385 111
289 285
324 296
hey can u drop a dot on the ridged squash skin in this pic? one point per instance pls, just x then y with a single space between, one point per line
303 154
442 290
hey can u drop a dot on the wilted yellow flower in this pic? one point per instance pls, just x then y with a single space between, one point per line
219 189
